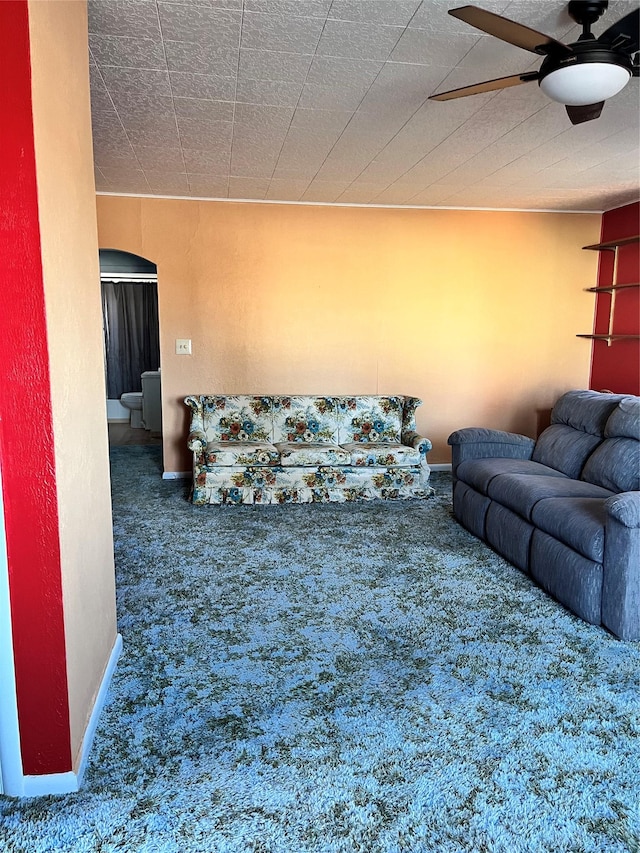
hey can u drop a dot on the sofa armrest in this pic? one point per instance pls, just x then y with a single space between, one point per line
624 508
480 443
197 441
479 435
621 564
417 441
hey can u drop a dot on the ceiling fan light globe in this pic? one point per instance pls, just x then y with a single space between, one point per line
589 83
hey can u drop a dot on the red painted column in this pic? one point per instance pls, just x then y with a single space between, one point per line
617 367
26 430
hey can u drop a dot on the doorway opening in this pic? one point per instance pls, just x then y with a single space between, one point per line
131 334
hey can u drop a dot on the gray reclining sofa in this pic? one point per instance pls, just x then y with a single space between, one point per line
565 509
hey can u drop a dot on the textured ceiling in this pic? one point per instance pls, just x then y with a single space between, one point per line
326 101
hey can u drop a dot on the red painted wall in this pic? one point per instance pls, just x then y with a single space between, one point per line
26 434
617 367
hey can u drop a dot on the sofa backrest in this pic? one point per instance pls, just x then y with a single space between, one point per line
302 418
370 419
578 422
238 417
615 463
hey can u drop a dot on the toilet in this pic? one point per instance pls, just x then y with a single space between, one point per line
133 401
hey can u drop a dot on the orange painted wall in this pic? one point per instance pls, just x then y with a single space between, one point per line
475 312
66 195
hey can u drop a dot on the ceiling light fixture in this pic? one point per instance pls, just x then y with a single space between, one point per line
585 77
582 75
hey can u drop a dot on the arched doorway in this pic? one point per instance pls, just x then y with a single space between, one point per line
131 347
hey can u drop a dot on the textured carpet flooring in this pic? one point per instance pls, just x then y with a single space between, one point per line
358 678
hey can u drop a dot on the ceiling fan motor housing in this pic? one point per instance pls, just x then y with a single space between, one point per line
587 11
591 73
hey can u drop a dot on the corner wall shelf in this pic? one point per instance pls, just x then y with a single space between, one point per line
612 287
612 246
609 338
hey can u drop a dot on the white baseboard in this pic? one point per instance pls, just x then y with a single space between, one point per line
98 705
68 783
48 783
440 466
10 756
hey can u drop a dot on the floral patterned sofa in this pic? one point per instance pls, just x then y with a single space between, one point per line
302 449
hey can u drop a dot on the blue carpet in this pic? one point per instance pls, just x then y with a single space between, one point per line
360 678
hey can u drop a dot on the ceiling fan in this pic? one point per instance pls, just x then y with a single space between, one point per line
581 75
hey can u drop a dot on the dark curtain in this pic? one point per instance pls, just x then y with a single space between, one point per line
131 337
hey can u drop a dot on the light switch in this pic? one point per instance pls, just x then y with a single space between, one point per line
183 346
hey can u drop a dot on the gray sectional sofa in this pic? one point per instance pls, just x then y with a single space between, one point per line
565 509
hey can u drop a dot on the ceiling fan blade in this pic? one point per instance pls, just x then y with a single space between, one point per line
487 86
585 113
625 34
510 31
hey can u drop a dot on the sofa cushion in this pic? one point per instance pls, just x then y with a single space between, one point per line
578 522
624 421
385 453
369 419
615 465
311 453
305 419
565 448
222 453
587 411
521 492
237 418
479 472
